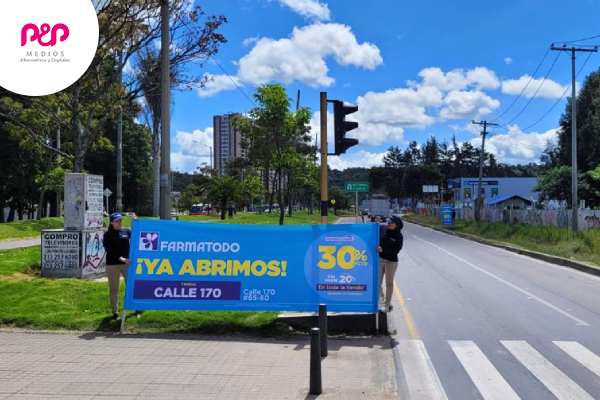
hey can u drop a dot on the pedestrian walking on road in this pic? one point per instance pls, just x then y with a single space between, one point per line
390 244
116 244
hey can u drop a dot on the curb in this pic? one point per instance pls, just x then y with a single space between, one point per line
565 262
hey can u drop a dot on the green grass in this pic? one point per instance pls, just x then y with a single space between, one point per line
32 228
297 218
29 301
583 246
28 228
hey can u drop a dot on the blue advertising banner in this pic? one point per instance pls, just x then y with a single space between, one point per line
447 214
193 266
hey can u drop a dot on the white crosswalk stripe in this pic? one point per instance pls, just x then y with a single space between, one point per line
584 356
421 378
554 379
423 383
486 378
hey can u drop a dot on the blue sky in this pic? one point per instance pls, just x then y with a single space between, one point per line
415 69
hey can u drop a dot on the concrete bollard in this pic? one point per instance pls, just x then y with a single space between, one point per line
316 385
323 329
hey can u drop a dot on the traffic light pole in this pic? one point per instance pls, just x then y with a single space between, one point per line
324 194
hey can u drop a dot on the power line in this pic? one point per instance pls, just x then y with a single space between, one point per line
536 92
561 97
234 82
526 86
580 40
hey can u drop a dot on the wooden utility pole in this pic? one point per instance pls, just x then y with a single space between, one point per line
574 189
478 198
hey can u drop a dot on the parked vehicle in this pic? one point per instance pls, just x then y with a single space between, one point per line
199 209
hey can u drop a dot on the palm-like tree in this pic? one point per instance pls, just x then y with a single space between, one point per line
221 190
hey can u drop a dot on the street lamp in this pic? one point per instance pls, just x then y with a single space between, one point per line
210 147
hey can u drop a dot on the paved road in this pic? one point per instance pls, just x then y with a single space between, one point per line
476 322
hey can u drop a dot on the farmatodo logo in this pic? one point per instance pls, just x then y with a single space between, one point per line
46 46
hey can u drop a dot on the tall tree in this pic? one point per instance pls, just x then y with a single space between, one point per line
273 135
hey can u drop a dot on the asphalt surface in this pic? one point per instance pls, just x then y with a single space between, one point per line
478 322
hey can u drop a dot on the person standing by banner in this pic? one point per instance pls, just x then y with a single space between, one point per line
116 244
390 244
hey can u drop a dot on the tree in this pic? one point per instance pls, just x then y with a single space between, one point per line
273 135
222 190
195 43
190 196
253 188
555 184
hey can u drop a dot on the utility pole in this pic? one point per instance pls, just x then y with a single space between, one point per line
324 194
479 199
165 118
120 161
574 200
58 197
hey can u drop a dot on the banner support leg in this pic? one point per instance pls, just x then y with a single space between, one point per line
123 317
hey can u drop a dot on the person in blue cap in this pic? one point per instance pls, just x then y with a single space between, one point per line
390 244
116 244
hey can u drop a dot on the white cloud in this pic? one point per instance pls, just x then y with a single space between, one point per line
302 56
193 149
363 159
218 84
400 106
459 79
368 133
250 40
311 9
549 89
462 105
508 60
516 146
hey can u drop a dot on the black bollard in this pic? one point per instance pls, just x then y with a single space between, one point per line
323 329
383 323
316 386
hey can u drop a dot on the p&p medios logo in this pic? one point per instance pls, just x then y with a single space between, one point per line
38 34
46 45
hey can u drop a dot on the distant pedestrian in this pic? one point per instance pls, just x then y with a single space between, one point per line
230 212
116 244
390 244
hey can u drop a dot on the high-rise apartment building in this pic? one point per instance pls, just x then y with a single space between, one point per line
227 141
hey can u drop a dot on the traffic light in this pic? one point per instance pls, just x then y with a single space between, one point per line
341 126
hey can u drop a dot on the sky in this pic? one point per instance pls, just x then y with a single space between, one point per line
415 69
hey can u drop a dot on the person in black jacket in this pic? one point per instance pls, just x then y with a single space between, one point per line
390 244
116 244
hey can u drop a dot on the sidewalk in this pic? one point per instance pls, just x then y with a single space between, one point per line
100 366
14 244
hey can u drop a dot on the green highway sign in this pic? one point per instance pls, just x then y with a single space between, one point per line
357 187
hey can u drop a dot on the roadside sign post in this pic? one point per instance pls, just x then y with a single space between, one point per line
107 193
356 187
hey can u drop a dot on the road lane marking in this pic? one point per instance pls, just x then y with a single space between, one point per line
580 353
486 378
421 378
554 379
512 253
414 334
507 283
